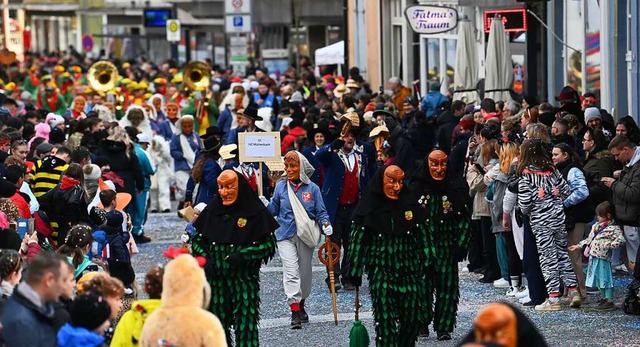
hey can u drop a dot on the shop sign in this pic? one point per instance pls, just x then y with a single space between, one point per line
514 20
431 19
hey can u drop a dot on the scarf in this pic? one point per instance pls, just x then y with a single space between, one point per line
187 152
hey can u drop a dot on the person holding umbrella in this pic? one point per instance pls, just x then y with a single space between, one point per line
389 239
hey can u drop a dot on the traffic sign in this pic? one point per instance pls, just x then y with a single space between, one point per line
173 30
238 23
237 6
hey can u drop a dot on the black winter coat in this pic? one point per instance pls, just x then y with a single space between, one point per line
125 166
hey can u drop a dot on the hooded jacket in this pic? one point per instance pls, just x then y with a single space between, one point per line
70 336
129 327
46 174
185 292
125 165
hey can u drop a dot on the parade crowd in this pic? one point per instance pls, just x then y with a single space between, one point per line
541 199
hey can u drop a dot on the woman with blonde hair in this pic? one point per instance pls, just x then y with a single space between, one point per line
508 258
538 131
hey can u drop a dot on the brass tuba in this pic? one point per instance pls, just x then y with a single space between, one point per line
102 76
197 74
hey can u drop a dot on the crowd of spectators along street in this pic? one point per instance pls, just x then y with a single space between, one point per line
553 186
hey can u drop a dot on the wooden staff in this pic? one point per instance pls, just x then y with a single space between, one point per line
329 255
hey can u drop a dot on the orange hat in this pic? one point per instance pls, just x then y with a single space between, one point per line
122 200
58 68
160 80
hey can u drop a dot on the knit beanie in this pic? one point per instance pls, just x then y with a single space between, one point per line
89 311
591 113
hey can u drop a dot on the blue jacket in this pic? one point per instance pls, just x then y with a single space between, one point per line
208 182
180 164
162 127
578 187
145 166
268 101
334 173
224 122
70 336
24 323
280 207
432 102
232 137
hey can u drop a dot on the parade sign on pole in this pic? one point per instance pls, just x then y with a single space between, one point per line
237 6
173 30
259 147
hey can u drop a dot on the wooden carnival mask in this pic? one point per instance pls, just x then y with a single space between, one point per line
228 187
292 166
136 116
496 323
187 125
157 103
392 182
438 165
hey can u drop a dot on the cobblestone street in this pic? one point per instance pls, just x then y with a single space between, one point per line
568 327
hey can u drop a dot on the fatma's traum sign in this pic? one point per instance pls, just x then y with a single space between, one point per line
431 19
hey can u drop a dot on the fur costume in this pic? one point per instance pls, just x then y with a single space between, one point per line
236 240
144 127
389 240
181 319
160 156
104 113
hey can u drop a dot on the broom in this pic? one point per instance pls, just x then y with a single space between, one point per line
358 337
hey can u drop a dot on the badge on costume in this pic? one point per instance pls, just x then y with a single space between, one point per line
446 204
408 215
306 196
242 222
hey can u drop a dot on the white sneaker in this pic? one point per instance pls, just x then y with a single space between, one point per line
549 305
524 293
524 299
501 283
620 268
512 291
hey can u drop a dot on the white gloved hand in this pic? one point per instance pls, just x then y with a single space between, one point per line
264 200
184 238
327 230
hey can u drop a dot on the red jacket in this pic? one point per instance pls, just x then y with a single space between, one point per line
290 139
22 204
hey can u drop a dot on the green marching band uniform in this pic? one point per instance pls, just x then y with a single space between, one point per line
389 241
236 240
447 225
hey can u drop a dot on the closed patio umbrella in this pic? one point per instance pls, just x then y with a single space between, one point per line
466 73
499 67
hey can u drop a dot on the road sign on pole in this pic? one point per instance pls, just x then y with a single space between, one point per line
238 23
237 6
173 30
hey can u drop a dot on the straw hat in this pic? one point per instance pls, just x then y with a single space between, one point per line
228 151
351 83
340 90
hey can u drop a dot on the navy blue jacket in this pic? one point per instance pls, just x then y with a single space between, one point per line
25 324
334 173
208 182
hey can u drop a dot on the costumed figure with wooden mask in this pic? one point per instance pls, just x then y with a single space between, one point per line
389 240
77 108
235 234
296 250
137 117
500 324
447 224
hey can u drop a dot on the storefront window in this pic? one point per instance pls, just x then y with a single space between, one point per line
451 60
575 38
433 59
593 47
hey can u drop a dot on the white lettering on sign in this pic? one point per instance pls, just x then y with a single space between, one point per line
431 19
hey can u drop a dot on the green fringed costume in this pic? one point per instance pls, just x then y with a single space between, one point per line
235 240
447 227
389 240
